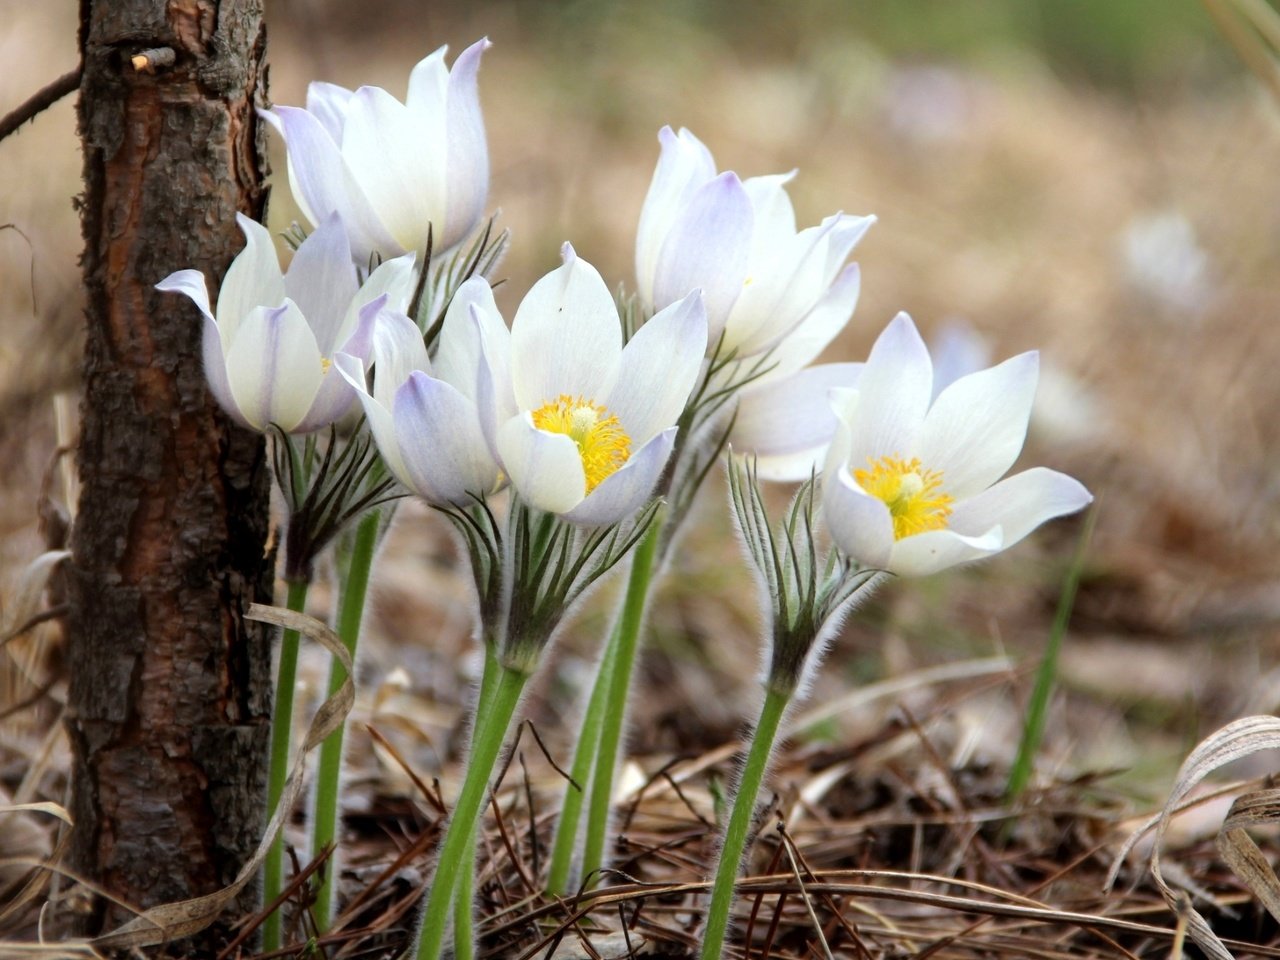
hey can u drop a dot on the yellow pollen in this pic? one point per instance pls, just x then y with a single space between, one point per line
913 495
602 443
325 364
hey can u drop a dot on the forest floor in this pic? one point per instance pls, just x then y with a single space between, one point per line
1133 240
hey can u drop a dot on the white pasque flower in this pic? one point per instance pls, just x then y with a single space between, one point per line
582 426
423 415
910 485
392 169
737 241
268 350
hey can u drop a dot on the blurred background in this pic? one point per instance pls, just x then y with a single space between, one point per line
1096 179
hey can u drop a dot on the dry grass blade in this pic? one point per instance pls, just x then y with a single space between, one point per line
1236 740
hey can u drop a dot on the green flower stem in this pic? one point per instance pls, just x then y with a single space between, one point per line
744 806
286 677
489 738
464 936
355 587
583 755
615 703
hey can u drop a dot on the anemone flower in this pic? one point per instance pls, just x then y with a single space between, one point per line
392 169
269 347
912 486
582 426
423 416
737 241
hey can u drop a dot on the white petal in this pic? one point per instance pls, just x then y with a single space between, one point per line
443 448
397 164
321 280
860 524
378 417
783 288
327 102
495 400
392 277
1020 503
660 365
191 283
566 337
429 87
801 346
789 424
274 367
683 166
894 389
927 553
215 370
707 247
627 489
315 164
458 350
545 468
957 350
253 279
467 166
397 352
775 218
846 232
975 429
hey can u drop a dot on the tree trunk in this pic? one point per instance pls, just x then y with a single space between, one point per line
170 699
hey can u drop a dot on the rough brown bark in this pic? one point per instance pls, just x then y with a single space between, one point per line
169 697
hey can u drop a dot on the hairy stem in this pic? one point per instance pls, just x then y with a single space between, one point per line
744 805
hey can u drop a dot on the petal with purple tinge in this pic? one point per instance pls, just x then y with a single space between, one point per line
274 367
321 280
545 468
458 351
684 165
440 439
708 247
467 164
376 415
626 490
253 279
191 283
215 370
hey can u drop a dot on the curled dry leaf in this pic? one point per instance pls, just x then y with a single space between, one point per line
1238 739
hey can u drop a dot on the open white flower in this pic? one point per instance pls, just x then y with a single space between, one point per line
392 169
424 416
268 350
737 241
910 485
583 427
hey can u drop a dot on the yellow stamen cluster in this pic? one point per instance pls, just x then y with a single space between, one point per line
602 443
912 495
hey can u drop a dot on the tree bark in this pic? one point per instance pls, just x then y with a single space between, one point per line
169 701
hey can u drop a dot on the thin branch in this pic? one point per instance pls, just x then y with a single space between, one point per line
42 100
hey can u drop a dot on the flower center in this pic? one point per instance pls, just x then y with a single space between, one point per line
913 495
602 443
